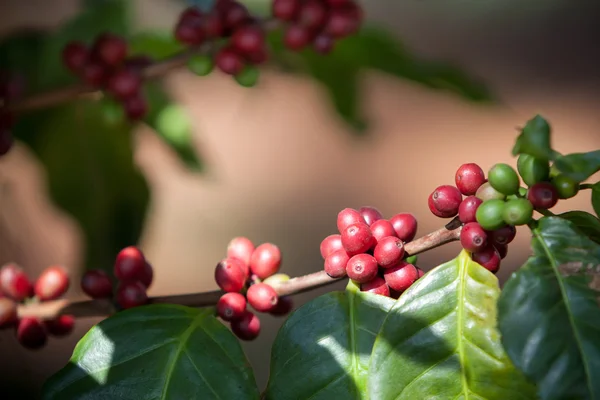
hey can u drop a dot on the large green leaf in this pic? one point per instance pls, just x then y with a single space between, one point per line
322 351
156 352
596 198
585 222
579 166
535 139
440 341
550 319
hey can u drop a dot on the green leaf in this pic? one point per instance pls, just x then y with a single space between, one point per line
173 125
154 44
579 166
585 222
549 316
535 139
596 198
440 341
160 351
322 351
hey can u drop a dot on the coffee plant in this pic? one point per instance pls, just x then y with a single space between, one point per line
395 332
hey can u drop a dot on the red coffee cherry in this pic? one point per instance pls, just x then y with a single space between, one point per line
420 273
401 277
265 260
229 61
347 217
296 37
503 236
136 107
313 14
472 237
248 39
94 74
74 56
338 3
330 244
124 84
148 276
110 49
357 239
502 249
342 23
131 294
444 201
362 268
8 311
370 214
96 284
284 306
234 15
14 282
212 25
189 32
61 326
262 297
247 327
405 225
285 10
242 249
542 195
335 263
229 275
231 306
129 264
52 283
382 228
389 251
376 286
323 43
31 333
468 178
489 258
468 208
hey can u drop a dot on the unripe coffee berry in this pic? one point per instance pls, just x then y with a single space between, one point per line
276 279
502 236
330 244
565 186
14 282
468 209
52 283
262 297
229 275
130 264
490 215
242 249
231 306
284 306
504 179
489 258
31 333
247 327
405 225
389 251
542 195
532 170
347 217
444 201
357 239
382 228
517 212
487 192
96 284
376 286
362 268
265 260
469 177
401 277
61 326
472 237
335 263
370 214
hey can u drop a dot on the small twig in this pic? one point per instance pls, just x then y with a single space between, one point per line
99 308
586 186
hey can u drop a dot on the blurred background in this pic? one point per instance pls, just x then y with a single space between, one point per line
433 84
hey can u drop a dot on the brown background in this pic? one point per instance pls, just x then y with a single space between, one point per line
282 164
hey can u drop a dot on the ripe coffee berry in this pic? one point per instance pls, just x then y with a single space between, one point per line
247 327
490 215
124 84
229 61
148 276
376 286
242 249
489 258
389 251
517 212
357 238
502 236
231 306
135 107
8 311
542 195
313 14
229 275
131 294
52 283
234 14
472 237
382 228
532 170
129 264
347 217
285 10
370 214
94 74
565 186
189 32
61 326
284 306
265 260
323 44
248 39
14 283
502 249
469 177
31 333
110 49
362 268
262 297
75 56
444 201
297 37
400 277
487 192
335 263
341 23
504 179
96 284
330 244
405 225
468 209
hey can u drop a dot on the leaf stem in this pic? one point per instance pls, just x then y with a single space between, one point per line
586 186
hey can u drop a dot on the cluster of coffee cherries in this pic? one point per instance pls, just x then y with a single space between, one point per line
105 65
134 274
370 250
317 22
247 275
16 287
11 89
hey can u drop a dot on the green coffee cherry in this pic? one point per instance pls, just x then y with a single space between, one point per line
554 171
487 192
113 112
532 170
522 193
504 179
412 259
565 186
517 212
200 65
490 215
248 77
277 278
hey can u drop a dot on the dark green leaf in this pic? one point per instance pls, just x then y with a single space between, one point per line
440 341
579 166
596 198
322 351
173 126
585 222
535 139
155 44
156 352
549 316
